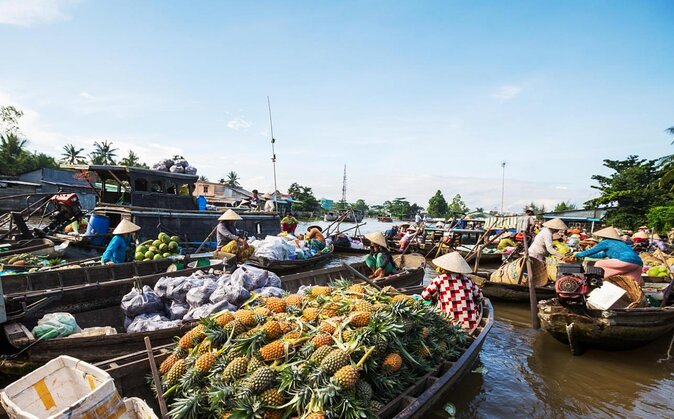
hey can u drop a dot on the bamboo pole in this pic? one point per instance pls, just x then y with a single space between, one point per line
156 378
533 302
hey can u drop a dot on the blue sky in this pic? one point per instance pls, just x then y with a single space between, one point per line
412 96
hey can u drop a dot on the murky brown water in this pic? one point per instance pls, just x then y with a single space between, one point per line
527 373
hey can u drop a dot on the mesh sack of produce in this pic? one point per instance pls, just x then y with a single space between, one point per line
270 292
634 291
141 300
233 292
148 322
250 277
177 311
200 295
178 288
208 309
56 325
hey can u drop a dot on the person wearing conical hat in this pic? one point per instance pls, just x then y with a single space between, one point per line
379 260
542 244
657 242
456 294
228 238
268 203
115 252
620 258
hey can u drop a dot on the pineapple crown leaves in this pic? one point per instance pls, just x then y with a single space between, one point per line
191 406
220 395
248 407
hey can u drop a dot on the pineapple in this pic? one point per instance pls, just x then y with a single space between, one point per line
245 317
262 311
321 353
191 338
167 364
224 318
260 380
346 377
234 328
273 350
364 390
272 398
293 300
360 319
401 297
272 330
177 370
335 360
317 290
310 314
322 339
392 363
205 362
275 304
376 406
272 414
425 332
253 364
204 346
356 288
362 305
424 352
235 369
327 327
315 415
295 334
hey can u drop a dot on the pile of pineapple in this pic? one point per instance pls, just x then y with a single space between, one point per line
338 351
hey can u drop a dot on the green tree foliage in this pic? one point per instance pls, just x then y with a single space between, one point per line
661 219
304 194
103 153
457 207
132 160
14 159
9 119
72 155
437 205
376 210
667 162
232 179
565 206
222 181
360 205
399 207
629 191
203 178
341 205
535 208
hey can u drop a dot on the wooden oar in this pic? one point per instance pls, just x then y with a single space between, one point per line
207 237
155 377
360 275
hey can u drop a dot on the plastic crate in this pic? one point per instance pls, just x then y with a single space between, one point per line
65 387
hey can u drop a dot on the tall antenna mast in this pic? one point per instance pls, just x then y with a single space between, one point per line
503 165
344 185
273 152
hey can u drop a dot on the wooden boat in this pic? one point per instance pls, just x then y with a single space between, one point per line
94 349
615 329
37 247
337 248
350 216
129 373
385 219
485 257
288 266
31 295
512 293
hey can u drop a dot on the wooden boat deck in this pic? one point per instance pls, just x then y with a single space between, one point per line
288 266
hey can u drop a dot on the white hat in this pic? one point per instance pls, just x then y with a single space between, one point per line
377 238
608 233
230 215
640 235
453 262
125 227
656 237
266 196
555 224
440 224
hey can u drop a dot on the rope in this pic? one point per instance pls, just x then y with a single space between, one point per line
669 352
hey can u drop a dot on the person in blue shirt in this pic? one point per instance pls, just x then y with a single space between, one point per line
116 250
620 258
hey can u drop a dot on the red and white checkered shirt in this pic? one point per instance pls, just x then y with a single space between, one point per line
457 296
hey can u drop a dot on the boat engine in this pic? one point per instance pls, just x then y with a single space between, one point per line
67 209
571 290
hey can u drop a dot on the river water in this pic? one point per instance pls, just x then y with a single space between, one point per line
526 373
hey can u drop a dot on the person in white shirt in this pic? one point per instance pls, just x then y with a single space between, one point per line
268 203
526 223
542 244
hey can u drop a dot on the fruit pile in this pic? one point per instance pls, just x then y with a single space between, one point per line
29 259
654 267
341 351
161 248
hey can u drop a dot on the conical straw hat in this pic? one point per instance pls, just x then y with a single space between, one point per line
377 238
230 215
640 235
555 224
453 262
125 227
656 237
608 233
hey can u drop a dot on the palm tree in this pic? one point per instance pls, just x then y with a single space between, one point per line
12 152
71 155
222 180
203 178
131 160
232 179
103 153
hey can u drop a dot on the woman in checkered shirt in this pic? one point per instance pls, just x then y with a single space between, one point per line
456 293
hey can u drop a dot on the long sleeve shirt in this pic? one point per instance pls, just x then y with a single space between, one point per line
116 250
226 234
542 245
457 296
613 249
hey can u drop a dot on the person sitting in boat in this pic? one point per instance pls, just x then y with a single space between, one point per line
289 223
379 260
116 250
621 258
229 240
315 238
407 238
542 244
506 241
658 243
391 233
456 294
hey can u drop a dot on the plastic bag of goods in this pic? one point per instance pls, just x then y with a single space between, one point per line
176 311
176 169
177 290
250 277
141 300
200 295
274 248
232 292
56 325
160 288
269 292
181 162
208 309
191 170
148 322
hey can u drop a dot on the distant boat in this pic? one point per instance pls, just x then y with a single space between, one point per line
385 219
350 216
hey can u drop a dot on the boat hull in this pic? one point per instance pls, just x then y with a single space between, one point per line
605 329
282 267
512 293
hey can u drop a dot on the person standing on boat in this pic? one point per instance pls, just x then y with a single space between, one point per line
268 203
527 223
379 260
255 200
542 244
621 258
315 238
456 294
289 223
116 250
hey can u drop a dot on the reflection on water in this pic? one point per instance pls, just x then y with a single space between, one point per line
527 373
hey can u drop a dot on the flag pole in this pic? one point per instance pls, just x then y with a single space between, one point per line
273 153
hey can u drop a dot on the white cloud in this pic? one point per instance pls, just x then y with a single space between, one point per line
32 12
85 95
238 124
506 93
